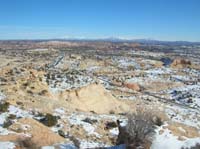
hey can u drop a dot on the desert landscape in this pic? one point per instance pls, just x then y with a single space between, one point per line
99 94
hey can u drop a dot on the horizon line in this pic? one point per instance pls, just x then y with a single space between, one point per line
100 39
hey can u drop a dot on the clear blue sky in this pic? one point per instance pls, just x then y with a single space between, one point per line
155 19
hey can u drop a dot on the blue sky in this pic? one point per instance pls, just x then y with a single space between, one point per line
135 19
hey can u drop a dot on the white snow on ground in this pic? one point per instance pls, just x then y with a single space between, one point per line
126 97
146 80
89 144
48 147
167 140
79 116
145 53
3 117
104 81
11 110
197 101
181 78
67 146
152 75
159 71
114 131
139 80
4 131
56 128
38 50
184 116
7 145
188 87
157 74
123 122
123 62
192 72
2 96
60 110
78 120
184 93
90 129
62 84
93 68
18 112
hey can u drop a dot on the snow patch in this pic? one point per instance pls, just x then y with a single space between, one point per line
89 144
167 140
114 131
7 145
2 96
184 116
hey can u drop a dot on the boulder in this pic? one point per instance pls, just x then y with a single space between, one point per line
133 86
180 62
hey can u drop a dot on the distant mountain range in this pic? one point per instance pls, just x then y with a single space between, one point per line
142 41
114 39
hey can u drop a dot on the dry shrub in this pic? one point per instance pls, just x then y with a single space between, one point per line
157 121
75 141
49 120
4 107
27 144
7 123
43 92
130 67
139 130
197 146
